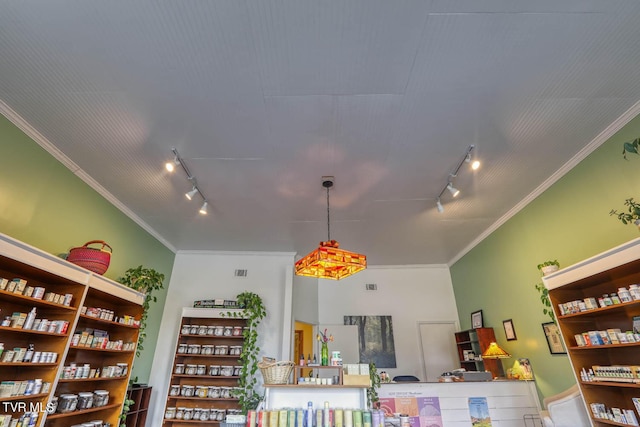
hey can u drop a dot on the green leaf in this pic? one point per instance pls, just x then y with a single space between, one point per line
631 147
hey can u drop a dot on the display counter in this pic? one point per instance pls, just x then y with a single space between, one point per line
508 403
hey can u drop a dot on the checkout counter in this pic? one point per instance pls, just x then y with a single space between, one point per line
508 403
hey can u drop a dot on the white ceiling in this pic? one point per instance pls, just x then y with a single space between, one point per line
264 97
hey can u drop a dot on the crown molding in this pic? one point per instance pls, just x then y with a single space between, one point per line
596 142
43 142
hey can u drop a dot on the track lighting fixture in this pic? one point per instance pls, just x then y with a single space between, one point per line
171 166
195 189
189 195
453 190
475 164
467 158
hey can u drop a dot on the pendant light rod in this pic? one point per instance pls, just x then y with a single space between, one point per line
328 183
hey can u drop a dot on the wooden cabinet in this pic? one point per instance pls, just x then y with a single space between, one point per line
48 342
592 278
471 344
55 291
104 310
206 367
137 415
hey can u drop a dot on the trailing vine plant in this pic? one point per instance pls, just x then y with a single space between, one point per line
126 407
146 281
630 147
632 216
544 292
372 391
253 311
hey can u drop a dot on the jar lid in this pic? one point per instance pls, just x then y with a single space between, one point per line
68 396
85 394
101 392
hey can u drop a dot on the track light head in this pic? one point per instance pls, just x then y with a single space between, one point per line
475 164
191 193
453 190
439 206
171 166
204 209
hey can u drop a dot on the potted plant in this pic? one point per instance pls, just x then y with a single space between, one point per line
372 391
630 147
631 216
253 310
146 281
548 267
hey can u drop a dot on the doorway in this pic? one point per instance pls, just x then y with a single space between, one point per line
439 352
302 341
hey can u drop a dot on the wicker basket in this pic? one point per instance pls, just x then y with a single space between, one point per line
96 260
276 372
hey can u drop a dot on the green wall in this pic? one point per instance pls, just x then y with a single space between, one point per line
568 222
45 205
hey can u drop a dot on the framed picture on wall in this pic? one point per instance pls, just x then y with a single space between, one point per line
509 330
554 340
476 319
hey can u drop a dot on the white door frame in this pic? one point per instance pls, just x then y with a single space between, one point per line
456 326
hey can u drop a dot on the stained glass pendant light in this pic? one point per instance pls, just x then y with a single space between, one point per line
328 261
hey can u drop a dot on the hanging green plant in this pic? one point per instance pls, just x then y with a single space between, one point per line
632 216
630 147
253 311
546 268
372 391
146 281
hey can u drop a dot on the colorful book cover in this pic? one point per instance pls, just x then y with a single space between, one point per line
299 418
273 418
357 418
388 405
283 418
251 418
262 419
429 410
479 412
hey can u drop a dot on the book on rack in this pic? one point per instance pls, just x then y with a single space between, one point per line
283 418
262 418
273 418
251 418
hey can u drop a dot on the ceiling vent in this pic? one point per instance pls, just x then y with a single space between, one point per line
371 287
241 273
